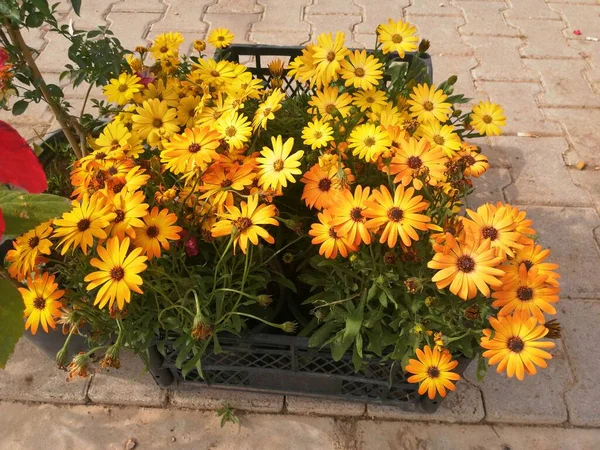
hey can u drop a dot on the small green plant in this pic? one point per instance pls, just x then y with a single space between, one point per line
227 414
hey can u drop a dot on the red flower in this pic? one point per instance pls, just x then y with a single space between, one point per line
191 246
18 164
3 56
577 32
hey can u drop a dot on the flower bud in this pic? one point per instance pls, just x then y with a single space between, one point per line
264 300
288 327
424 46
199 45
452 80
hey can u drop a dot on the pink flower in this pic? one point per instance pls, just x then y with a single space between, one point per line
191 246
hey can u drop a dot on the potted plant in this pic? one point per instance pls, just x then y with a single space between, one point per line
337 182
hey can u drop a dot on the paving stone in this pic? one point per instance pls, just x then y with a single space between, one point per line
588 179
132 27
434 8
333 7
34 38
92 14
48 61
579 321
564 83
489 187
238 24
580 17
568 233
577 2
375 435
210 398
328 23
442 32
496 154
462 405
444 66
26 427
582 129
235 7
544 39
591 52
183 15
279 38
34 114
531 9
139 5
31 376
130 385
366 40
499 59
535 400
376 12
278 16
323 407
484 19
539 173
520 107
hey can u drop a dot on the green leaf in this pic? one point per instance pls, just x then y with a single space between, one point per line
19 107
10 11
481 368
42 6
76 6
55 91
321 334
23 211
11 318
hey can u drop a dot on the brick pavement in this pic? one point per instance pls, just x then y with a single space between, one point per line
520 53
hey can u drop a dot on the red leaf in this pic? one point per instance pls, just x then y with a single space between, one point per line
18 164
577 32
2 224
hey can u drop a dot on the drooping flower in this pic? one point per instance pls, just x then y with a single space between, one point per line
277 166
156 232
428 104
266 109
466 267
331 243
398 215
121 90
41 298
220 37
118 273
487 118
514 344
433 372
88 219
348 218
245 223
528 292
361 71
397 37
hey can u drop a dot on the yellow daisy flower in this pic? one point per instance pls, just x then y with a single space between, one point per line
41 302
235 128
277 166
329 103
186 111
361 71
220 38
118 273
369 141
168 93
121 90
370 99
266 109
166 46
415 159
192 150
114 136
433 372
154 120
397 37
317 134
325 234
487 118
29 249
129 208
441 136
156 231
429 104
328 53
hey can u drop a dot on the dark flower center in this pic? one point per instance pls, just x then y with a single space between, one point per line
487 119
395 214
83 224
330 109
221 38
157 123
226 183
120 215
428 105
330 56
465 264
325 184
243 223
100 155
439 140
194 148
34 241
122 87
266 112
524 293
489 232
118 187
528 264
356 214
164 49
414 162
215 74
359 72
332 233
318 135
469 160
396 39
152 231
278 165
117 273
370 141
231 131
515 344
39 303
112 170
433 372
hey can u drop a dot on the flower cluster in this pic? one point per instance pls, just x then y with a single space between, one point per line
6 76
370 158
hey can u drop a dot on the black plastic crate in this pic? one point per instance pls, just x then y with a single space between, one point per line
286 365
